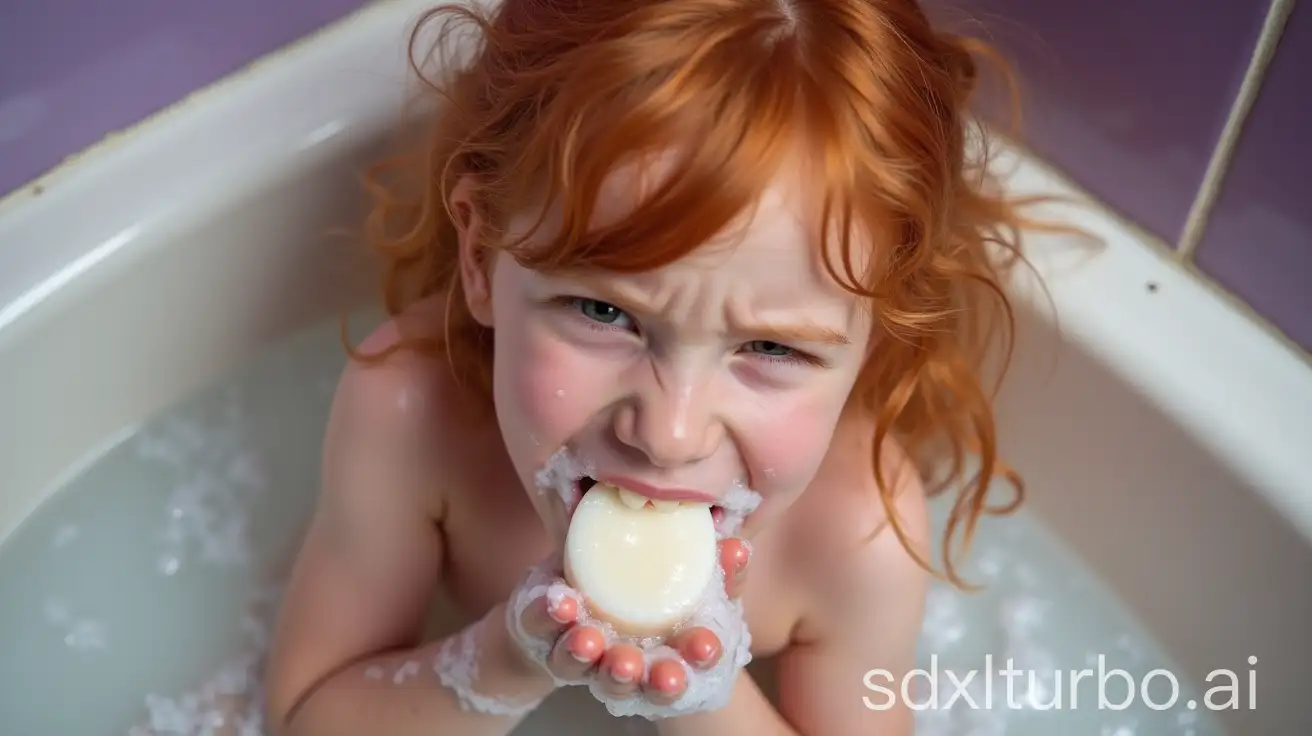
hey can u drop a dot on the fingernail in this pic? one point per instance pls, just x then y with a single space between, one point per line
704 653
580 657
744 556
555 604
668 685
623 678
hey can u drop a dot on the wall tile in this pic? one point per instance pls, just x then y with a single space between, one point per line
1258 242
73 70
1127 96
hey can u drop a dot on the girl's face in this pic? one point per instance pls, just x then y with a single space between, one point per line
731 366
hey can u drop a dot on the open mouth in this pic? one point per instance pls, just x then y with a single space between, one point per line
637 501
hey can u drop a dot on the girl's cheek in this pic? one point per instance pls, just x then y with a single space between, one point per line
787 447
553 387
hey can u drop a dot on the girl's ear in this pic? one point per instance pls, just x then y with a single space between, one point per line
475 266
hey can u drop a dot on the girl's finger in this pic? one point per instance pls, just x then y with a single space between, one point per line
665 682
577 652
735 555
699 647
621 669
545 621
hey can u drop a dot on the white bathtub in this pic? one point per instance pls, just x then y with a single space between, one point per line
1166 440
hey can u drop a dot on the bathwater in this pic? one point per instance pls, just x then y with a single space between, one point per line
138 598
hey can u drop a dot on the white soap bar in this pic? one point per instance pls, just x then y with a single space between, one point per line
642 566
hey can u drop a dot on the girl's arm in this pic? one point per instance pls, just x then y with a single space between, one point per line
345 657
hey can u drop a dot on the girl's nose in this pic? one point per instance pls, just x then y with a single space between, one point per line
671 426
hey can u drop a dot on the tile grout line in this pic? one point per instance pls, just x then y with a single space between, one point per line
1209 190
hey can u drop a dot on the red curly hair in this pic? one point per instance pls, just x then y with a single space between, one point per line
545 98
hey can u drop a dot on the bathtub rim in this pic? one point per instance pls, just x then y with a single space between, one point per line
1240 391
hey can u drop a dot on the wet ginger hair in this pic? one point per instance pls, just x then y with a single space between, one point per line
543 99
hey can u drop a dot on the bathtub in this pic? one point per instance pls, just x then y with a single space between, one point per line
1164 437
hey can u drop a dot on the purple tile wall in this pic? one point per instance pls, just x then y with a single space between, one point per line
1258 242
1127 96
73 70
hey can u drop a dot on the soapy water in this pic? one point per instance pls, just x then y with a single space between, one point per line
145 589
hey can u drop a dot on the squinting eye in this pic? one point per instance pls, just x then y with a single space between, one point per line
599 311
766 347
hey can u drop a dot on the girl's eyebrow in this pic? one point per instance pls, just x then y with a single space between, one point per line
782 333
632 299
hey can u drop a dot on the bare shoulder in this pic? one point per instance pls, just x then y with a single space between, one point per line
868 559
372 554
395 393
400 406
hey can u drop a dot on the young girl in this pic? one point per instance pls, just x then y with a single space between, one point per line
690 246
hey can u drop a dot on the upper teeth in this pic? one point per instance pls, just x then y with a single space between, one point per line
638 501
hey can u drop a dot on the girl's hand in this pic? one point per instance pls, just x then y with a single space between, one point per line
575 652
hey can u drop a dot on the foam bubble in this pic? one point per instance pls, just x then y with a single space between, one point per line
407 671
216 471
560 475
457 668
232 698
80 634
739 502
168 565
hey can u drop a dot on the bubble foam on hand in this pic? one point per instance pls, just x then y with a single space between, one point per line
457 668
705 689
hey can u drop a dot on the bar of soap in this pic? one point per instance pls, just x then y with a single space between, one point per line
642 565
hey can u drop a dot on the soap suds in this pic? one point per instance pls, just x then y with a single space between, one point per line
407 671
561 474
1018 617
233 696
738 503
457 668
215 472
78 633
